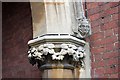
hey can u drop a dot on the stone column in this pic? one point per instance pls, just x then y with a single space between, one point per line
57 55
56 49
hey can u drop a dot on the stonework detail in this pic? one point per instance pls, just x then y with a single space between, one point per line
83 27
56 53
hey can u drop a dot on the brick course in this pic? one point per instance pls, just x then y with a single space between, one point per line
104 39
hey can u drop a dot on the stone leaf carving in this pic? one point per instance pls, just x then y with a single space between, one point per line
38 53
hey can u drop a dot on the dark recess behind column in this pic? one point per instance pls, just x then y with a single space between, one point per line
16 32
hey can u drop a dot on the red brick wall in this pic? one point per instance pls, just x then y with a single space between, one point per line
16 31
104 39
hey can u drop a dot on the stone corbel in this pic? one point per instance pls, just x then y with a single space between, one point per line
83 26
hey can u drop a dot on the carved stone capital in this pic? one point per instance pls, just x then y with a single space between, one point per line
44 50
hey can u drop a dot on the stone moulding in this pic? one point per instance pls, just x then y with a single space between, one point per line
62 48
56 38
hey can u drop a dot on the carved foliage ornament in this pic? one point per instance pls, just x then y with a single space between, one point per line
39 53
